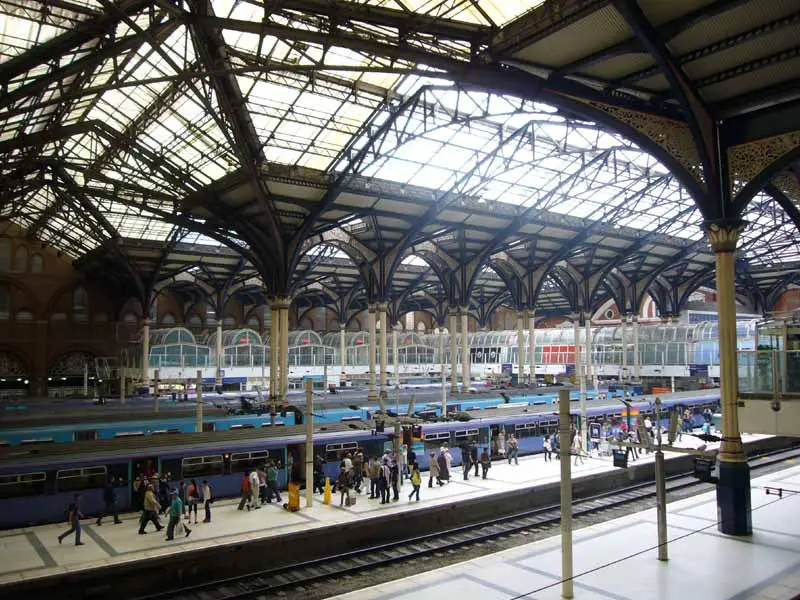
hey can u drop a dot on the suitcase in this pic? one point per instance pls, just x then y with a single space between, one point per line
351 500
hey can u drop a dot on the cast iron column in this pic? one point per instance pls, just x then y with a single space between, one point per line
453 351
733 488
383 344
145 352
465 359
372 394
520 347
532 345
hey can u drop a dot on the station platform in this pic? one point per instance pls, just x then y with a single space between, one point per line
618 560
32 553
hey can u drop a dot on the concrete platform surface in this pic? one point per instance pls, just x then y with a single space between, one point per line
617 560
35 552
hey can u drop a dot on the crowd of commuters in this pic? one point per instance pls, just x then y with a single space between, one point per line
379 476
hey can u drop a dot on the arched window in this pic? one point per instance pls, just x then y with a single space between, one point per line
20 260
195 321
129 318
168 320
24 315
37 263
80 305
5 255
5 302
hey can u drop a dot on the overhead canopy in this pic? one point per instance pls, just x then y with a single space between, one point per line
515 141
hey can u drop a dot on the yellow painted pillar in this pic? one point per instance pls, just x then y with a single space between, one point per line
532 345
284 353
383 344
520 347
453 351
220 356
343 353
465 357
372 393
733 488
274 352
145 352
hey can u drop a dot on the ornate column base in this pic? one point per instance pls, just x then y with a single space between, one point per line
733 499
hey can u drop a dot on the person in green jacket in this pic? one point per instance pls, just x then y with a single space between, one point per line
272 483
175 513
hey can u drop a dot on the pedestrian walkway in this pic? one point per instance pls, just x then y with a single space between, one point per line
617 560
35 552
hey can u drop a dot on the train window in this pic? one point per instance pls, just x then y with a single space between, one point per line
198 466
127 434
468 433
208 426
344 419
22 484
247 461
84 478
36 441
442 435
85 436
163 431
277 424
336 452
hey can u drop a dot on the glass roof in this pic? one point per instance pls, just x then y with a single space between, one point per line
115 136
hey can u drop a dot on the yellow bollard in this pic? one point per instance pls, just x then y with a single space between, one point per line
326 496
294 498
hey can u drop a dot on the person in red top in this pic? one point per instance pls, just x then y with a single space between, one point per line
245 491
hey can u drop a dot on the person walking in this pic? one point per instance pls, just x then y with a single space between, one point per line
244 491
444 470
466 462
385 478
193 494
416 480
175 512
110 502
395 478
433 472
319 474
74 516
150 511
358 470
374 468
262 484
272 483
473 456
343 485
548 448
255 503
513 449
163 491
207 500
486 462
501 443
577 448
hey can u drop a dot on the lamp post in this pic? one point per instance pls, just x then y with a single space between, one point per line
661 491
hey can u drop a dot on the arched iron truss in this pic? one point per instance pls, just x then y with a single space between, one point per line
345 152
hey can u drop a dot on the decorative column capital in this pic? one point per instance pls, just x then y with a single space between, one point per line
372 307
280 302
723 236
342 326
453 311
382 306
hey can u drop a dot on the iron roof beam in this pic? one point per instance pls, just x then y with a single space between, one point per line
338 12
103 24
718 46
666 31
698 117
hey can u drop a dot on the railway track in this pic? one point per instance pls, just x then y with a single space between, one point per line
316 573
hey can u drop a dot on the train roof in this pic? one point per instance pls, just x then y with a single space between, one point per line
168 445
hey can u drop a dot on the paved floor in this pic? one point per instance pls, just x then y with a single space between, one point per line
617 560
35 552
